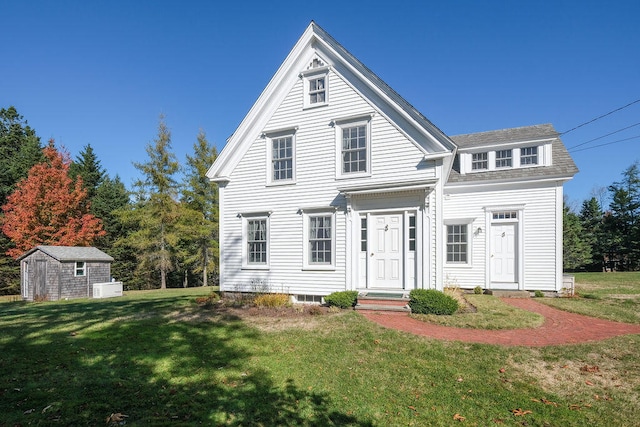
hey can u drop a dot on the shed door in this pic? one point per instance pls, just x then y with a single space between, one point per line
40 289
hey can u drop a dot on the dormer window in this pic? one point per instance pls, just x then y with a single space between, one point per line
479 161
504 159
528 156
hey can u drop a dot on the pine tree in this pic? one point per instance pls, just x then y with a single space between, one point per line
155 214
89 168
20 149
591 220
577 252
625 216
201 196
49 208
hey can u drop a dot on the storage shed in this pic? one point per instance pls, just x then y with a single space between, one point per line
62 272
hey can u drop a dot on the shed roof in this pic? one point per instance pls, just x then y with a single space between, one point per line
562 167
71 253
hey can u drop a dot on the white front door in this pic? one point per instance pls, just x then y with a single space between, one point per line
503 256
386 251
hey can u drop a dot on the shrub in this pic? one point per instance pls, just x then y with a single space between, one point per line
342 299
477 290
272 300
431 301
538 293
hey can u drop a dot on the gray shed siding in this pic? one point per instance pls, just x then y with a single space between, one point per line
59 282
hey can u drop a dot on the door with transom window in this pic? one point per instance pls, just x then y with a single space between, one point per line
503 256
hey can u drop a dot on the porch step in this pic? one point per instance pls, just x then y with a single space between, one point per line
508 294
380 301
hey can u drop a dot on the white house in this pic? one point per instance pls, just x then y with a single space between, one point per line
334 182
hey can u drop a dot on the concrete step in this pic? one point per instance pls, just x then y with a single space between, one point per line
382 307
383 301
508 294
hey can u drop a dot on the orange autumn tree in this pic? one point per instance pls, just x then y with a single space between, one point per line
49 208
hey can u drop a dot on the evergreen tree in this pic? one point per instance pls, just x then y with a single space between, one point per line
155 214
625 220
111 197
201 196
20 149
591 220
577 252
89 168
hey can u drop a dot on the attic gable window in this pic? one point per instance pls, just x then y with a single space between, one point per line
317 90
316 84
79 269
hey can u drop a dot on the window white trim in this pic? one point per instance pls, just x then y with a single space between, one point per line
80 269
275 137
464 224
543 157
307 216
252 218
314 95
481 163
340 127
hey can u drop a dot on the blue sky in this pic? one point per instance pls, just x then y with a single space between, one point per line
101 72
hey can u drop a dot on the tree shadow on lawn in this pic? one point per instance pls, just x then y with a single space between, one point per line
154 369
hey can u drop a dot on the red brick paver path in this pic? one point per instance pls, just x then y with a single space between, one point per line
560 327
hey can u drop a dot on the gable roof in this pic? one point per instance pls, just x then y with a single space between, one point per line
562 167
71 253
423 133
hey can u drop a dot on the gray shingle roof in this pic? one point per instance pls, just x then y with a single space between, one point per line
563 166
72 253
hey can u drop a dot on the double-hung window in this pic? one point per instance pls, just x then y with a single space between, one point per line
317 89
282 158
256 241
79 268
353 148
316 84
319 240
458 243
504 159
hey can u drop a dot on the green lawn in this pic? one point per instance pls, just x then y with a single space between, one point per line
613 296
159 359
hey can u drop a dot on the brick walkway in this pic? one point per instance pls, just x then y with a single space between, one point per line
560 327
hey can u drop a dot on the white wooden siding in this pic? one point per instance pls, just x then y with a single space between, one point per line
393 159
540 257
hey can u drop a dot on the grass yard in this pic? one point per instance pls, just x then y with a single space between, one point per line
156 358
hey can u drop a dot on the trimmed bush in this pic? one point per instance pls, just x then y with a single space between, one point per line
477 290
272 300
342 299
431 301
538 293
